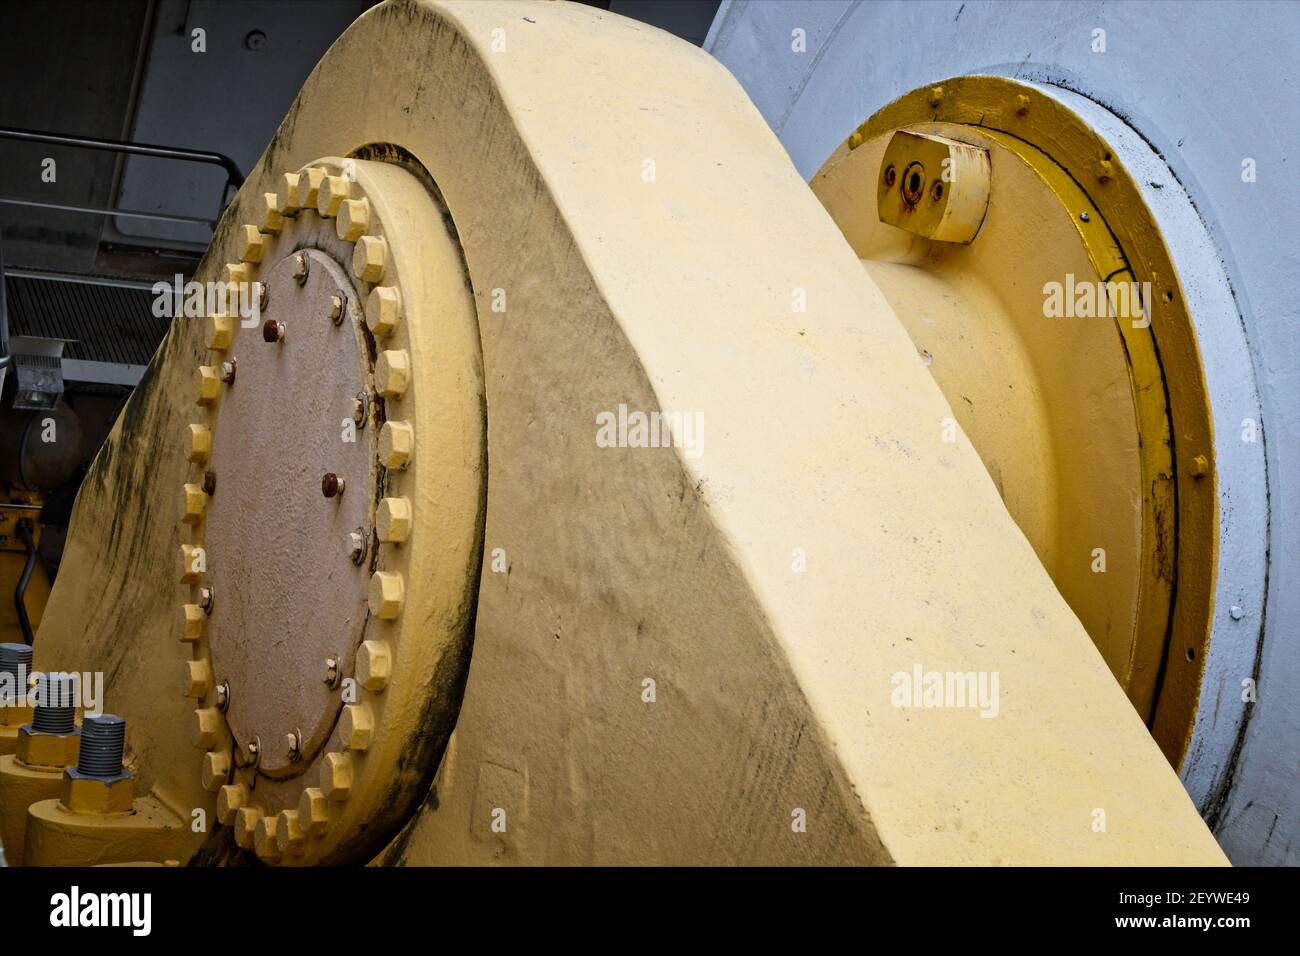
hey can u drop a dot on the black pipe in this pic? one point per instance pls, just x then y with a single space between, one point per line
20 592
233 175
5 357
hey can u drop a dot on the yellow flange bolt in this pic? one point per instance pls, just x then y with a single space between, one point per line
393 520
353 219
396 444
374 665
200 444
383 310
370 258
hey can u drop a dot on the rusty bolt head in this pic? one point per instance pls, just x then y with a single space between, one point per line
228 372
891 175
331 485
209 483
272 331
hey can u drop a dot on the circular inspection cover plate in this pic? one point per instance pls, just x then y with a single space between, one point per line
288 596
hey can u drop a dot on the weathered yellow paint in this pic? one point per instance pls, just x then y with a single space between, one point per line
656 675
57 836
1169 405
21 786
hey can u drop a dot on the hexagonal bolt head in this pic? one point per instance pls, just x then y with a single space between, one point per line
392 372
198 678
289 835
301 268
223 696
360 405
331 485
207 385
252 244
353 219
356 726
374 665
265 843
246 819
332 671
228 372
294 742
370 258
270 220
393 520
196 502
195 618
216 770
313 811
357 541
338 305
200 443
383 310
229 800
206 598
272 331
336 776
396 444
387 594
207 727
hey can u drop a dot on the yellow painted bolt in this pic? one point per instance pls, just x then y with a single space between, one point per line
1104 170
246 820
264 838
392 372
193 563
234 274
207 383
195 503
353 219
374 664
383 310
313 811
936 95
333 191
194 619
1200 466
370 258
289 835
1022 104
270 219
287 195
229 799
198 678
856 139
220 331
207 727
396 444
309 183
387 592
252 244
393 520
356 726
200 443
336 776
216 769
